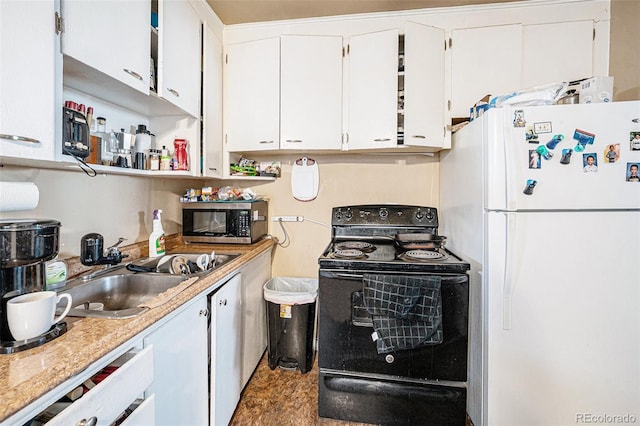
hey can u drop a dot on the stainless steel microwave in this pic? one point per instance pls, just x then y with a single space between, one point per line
232 222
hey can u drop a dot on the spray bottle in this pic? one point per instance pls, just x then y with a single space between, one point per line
156 239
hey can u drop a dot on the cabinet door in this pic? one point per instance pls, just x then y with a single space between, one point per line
212 107
30 80
254 313
179 55
373 90
180 366
562 51
311 92
424 80
484 61
226 351
252 102
112 39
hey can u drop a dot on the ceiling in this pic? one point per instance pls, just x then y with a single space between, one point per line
243 11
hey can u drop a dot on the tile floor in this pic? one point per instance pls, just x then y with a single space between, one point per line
282 398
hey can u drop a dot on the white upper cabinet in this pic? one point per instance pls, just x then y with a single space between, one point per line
30 85
311 92
424 86
111 39
372 91
252 101
212 105
561 51
484 61
179 55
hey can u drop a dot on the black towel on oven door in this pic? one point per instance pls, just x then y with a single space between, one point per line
406 310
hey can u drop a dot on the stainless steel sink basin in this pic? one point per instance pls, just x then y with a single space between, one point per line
119 294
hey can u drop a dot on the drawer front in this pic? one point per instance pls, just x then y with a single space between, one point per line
113 395
144 415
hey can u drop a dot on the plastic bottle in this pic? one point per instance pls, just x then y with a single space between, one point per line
156 239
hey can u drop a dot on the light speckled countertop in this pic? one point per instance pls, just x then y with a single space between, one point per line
28 375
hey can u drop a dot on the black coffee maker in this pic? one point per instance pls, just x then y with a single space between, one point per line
25 246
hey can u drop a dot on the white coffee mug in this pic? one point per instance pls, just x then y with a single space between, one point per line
32 314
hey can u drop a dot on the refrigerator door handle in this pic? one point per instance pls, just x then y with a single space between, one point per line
509 270
510 161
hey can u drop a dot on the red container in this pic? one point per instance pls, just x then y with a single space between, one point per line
182 158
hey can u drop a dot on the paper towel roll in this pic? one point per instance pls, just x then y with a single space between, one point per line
16 196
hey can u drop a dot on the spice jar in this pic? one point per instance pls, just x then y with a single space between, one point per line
165 159
154 159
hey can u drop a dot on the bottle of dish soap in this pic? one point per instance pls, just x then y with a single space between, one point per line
156 239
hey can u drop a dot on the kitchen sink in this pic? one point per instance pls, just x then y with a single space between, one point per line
118 292
118 295
170 264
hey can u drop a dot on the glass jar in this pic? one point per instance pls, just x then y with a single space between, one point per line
154 159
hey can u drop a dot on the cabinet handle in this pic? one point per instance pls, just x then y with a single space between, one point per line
19 138
174 92
93 421
265 142
213 169
294 140
204 313
132 73
382 140
223 302
419 136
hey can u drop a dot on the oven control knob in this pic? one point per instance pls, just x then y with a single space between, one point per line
430 215
384 213
419 214
389 358
348 214
339 215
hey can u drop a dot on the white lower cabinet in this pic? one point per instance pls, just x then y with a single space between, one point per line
226 351
105 403
181 367
254 313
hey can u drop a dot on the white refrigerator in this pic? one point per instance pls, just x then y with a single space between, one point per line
554 243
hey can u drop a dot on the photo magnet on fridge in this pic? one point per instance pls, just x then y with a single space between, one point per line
634 138
590 162
632 172
534 159
612 152
518 118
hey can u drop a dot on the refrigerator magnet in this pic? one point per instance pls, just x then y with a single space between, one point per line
632 172
566 156
612 153
518 118
542 127
544 152
634 138
584 137
590 162
555 140
534 159
531 136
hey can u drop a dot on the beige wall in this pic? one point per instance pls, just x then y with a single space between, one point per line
624 56
344 180
114 206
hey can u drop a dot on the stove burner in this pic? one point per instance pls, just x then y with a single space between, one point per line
349 254
357 245
422 255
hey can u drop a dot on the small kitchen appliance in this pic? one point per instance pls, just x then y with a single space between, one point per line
403 362
233 222
25 246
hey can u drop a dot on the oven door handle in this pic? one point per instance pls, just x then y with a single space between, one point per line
343 275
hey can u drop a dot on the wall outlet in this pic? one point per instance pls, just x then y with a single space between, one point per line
287 218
